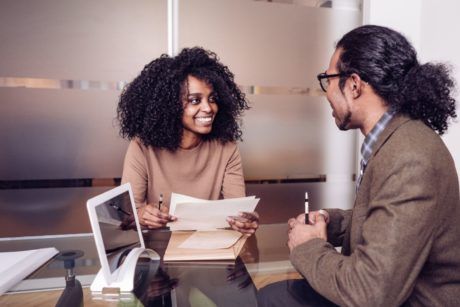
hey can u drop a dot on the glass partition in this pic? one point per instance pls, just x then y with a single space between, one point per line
63 65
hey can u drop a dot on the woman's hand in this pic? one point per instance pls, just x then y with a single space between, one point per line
246 222
152 217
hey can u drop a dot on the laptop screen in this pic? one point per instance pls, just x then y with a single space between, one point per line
118 228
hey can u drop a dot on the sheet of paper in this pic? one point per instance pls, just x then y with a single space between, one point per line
180 198
211 239
207 214
15 266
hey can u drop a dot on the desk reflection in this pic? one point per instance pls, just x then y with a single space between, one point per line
196 283
153 287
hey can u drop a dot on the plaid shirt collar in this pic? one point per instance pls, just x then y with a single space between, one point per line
371 138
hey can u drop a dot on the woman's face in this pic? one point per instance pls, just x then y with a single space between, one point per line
200 107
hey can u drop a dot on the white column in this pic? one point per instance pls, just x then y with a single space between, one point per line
173 27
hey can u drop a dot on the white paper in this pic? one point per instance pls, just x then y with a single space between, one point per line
15 266
198 214
211 239
180 198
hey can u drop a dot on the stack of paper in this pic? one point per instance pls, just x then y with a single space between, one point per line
15 266
199 234
199 214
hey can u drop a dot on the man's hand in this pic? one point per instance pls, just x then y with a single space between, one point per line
152 217
312 216
300 233
246 222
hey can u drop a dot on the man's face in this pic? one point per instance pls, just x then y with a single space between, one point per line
340 101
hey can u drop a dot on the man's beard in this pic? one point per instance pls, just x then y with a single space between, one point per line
345 122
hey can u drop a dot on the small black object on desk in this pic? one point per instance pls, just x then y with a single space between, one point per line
73 293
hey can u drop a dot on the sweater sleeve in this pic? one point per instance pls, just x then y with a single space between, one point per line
135 172
397 236
233 182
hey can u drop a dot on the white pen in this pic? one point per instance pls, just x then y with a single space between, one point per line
307 210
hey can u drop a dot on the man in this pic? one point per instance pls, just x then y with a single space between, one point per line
401 242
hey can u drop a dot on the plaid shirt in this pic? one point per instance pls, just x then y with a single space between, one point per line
370 140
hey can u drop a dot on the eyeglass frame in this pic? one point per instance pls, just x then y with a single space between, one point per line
324 75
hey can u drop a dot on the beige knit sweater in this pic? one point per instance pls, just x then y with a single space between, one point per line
211 170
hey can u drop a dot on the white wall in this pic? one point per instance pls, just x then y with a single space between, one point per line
440 44
430 26
403 16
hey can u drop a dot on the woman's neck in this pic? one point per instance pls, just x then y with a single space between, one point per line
190 140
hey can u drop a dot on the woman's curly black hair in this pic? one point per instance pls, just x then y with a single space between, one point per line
150 107
387 61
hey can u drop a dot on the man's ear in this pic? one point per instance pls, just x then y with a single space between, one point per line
356 84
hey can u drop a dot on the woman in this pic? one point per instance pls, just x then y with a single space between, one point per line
181 114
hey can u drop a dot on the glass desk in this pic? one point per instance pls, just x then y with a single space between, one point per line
264 259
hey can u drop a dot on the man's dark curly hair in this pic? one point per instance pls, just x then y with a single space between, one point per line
150 107
388 62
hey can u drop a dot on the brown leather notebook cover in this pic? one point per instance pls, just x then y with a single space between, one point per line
174 253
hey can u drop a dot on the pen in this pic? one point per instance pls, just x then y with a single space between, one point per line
307 210
160 202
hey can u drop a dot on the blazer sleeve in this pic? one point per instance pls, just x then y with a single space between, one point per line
397 236
135 172
338 223
233 181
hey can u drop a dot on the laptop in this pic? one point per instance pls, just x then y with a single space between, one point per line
118 239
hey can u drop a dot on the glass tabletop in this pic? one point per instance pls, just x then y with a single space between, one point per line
223 283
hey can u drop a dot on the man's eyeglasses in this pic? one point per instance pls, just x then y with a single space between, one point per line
323 79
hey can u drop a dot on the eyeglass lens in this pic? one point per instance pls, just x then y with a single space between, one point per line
324 84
